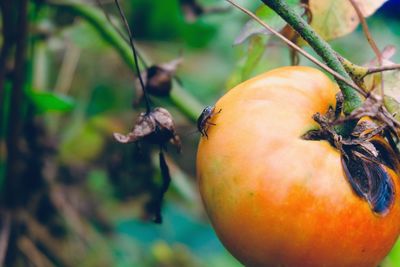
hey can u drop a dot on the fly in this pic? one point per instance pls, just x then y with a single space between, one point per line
203 120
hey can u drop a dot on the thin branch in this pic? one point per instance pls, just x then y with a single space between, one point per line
298 49
130 33
4 236
382 68
68 67
32 252
352 99
370 40
367 32
40 233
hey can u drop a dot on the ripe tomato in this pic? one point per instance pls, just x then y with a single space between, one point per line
275 199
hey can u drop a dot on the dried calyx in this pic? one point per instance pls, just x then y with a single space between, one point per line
367 154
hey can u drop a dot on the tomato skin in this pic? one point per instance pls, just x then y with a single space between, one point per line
275 199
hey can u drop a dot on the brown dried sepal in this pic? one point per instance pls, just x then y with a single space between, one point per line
365 157
373 107
156 127
158 79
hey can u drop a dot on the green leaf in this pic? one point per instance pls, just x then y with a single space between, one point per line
253 28
255 52
83 146
256 38
392 106
50 102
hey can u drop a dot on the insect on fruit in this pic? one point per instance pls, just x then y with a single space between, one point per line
203 120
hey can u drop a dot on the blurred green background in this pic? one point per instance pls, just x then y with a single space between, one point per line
80 90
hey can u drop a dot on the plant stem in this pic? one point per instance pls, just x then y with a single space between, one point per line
8 42
352 99
4 234
182 100
13 182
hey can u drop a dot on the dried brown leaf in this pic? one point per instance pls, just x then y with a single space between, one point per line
156 127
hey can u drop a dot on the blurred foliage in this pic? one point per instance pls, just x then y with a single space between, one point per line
81 91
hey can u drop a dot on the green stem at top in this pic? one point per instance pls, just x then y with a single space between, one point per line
352 99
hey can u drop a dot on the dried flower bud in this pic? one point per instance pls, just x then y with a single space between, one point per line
158 79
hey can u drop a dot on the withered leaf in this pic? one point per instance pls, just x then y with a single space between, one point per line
156 127
363 127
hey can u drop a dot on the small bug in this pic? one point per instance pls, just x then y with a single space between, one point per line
202 121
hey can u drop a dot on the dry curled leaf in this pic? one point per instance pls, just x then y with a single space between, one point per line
156 127
335 18
364 127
